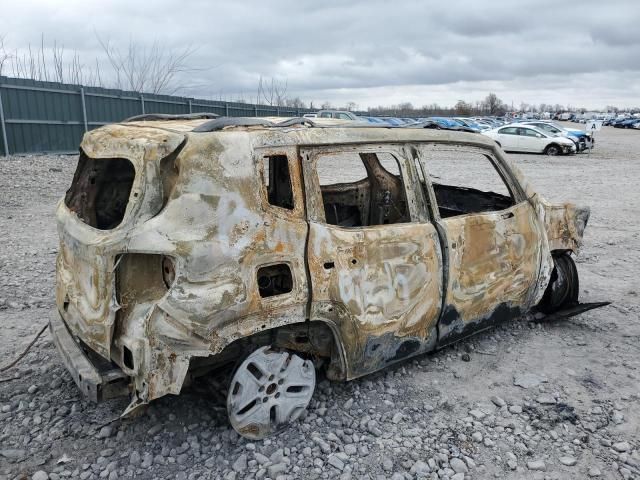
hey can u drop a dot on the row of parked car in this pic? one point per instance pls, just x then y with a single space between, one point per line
624 122
516 135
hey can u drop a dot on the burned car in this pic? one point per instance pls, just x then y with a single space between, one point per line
272 249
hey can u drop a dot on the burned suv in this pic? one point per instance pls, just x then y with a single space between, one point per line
272 249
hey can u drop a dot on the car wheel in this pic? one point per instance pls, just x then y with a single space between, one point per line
269 390
552 150
564 286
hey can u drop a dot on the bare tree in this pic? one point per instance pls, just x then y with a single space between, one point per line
49 64
5 56
351 106
463 108
494 105
273 93
295 103
154 69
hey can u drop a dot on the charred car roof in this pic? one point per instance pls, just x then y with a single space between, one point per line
297 131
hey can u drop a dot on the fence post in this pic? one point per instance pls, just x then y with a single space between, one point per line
4 127
142 101
255 110
84 110
226 109
190 107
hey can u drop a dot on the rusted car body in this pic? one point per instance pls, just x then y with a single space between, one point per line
180 247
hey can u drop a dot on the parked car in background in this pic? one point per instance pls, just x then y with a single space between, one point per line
495 122
629 123
472 124
582 139
374 120
563 116
520 137
339 114
446 122
396 122
310 115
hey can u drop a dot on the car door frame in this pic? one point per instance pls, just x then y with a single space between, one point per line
463 315
367 346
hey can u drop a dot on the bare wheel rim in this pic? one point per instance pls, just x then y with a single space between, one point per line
268 391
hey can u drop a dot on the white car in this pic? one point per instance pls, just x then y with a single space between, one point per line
581 138
525 138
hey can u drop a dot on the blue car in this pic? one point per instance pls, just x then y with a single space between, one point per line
375 120
396 122
471 124
446 122
629 123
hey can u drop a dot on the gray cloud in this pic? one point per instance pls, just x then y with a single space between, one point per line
373 52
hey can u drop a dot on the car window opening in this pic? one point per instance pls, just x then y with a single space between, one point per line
277 181
100 190
370 191
466 182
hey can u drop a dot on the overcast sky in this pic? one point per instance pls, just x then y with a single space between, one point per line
580 53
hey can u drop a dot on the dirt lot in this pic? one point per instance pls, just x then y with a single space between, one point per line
435 417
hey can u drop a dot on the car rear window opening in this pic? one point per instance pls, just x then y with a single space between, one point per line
100 191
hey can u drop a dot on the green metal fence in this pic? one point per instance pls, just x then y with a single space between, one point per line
49 117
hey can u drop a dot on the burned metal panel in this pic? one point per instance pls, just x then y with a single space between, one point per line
223 229
497 259
494 259
220 230
565 224
380 286
85 278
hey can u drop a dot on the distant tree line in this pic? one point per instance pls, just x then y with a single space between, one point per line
491 105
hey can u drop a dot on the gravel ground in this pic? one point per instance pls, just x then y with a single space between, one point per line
554 401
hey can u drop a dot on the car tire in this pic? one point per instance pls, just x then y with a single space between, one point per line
564 286
552 150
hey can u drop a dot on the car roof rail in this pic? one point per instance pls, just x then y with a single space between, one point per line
168 116
220 123
297 121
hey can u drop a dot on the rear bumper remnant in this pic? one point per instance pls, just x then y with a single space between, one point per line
97 382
